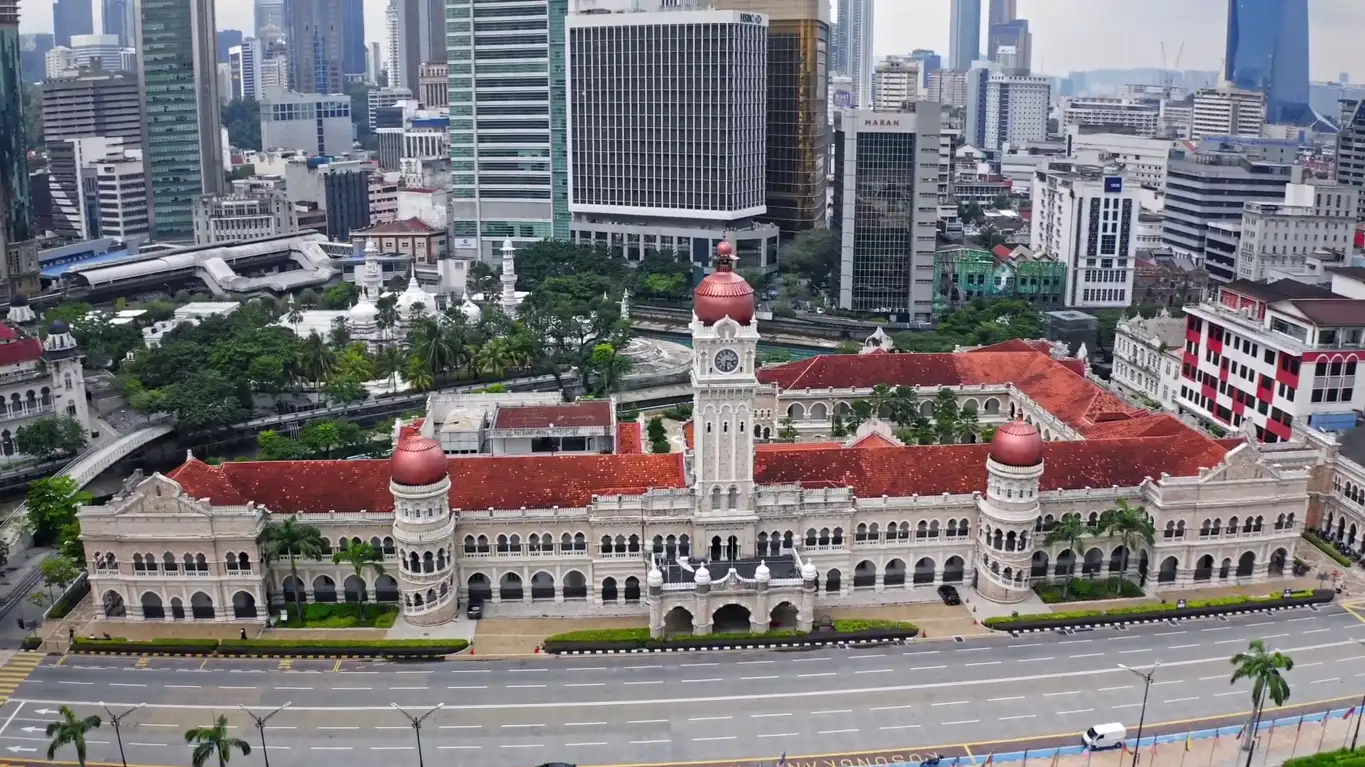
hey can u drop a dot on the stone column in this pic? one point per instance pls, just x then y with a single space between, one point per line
701 616
655 583
758 619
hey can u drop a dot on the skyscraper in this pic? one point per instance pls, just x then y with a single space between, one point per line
1012 34
964 33
269 13
227 40
353 38
72 17
20 264
116 18
1003 11
797 119
422 36
1267 51
182 147
313 29
522 122
855 25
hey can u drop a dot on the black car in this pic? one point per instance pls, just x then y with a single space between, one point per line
949 595
474 611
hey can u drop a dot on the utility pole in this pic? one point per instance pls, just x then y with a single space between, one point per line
1146 688
416 722
116 720
260 727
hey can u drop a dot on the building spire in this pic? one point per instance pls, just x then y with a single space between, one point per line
509 279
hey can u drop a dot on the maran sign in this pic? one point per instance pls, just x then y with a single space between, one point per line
881 123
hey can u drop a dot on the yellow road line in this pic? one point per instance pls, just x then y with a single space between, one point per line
286 664
970 755
202 665
61 660
337 666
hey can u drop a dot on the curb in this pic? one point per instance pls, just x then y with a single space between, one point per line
258 656
1167 618
730 647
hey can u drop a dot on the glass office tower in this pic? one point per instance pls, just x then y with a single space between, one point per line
1267 51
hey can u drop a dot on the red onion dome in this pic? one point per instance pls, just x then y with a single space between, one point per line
723 293
419 461
1017 444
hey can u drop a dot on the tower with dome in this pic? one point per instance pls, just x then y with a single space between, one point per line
733 530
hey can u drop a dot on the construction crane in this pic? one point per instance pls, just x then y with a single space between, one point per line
1168 75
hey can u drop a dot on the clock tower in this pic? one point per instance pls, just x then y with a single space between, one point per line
724 359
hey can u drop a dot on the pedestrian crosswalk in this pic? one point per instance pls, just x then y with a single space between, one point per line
15 671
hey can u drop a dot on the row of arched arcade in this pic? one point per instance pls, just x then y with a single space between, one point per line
151 606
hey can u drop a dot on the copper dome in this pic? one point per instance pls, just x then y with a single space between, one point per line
1017 444
419 461
723 293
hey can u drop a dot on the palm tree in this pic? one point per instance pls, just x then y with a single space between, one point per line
340 333
386 316
947 415
359 555
295 314
391 361
493 358
292 539
1071 531
70 731
437 349
1131 526
214 741
858 414
1263 667
882 399
316 358
419 374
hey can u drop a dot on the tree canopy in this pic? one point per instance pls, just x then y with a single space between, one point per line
980 322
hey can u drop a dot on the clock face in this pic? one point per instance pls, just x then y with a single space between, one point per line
727 360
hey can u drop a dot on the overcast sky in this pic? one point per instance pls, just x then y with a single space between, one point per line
1067 34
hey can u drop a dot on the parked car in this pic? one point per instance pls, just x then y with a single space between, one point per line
474 611
949 595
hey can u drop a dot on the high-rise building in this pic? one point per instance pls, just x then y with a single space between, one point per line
244 63
121 198
1017 108
72 17
1086 218
227 38
269 15
1267 51
895 82
71 164
182 147
92 52
17 235
313 29
964 33
798 124
93 105
946 86
838 47
1003 11
855 25
433 85
1283 235
353 39
422 35
116 18
1228 112
693 178
59 63
1013 35
313 123
1351 148
374 64
393 63
1142 116
521 118
927 59
886 169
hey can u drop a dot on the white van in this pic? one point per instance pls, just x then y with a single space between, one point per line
1103 736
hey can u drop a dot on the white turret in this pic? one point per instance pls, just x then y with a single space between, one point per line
412 296
762 574
702 577
625 305
655 579
509 279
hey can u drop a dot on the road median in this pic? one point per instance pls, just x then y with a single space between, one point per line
1178 610
634 640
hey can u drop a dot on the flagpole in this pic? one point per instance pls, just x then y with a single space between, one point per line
1323 735
1217 738
1294 750
1186 750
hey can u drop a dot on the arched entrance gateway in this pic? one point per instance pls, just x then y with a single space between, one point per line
731 618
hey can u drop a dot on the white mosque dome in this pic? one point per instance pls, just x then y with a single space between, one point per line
471 311
363 313
414 295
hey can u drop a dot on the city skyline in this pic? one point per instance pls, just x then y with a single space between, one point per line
1063 30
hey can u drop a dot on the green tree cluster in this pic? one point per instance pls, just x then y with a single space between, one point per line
325 440
51 437
813 256
242 118
946 423
1129 524
287 541
658 436
104 343
52 504
979 322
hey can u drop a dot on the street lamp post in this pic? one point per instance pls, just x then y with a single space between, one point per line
116 720
260 727
416 722
1146 688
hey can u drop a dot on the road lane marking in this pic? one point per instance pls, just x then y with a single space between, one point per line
1329 679
1180 700
832 711
1127 705
1225 694
461 727
126 684
133 743
392 727
889 708
653 681
1055 694
474 671
585 724
702 681
1217 628
182 686
1130 652
899 727
1315 631
1182 646
1111 689
339 727
329 748
753 662
951 703
229 687
587 684
1168 633
710 718
1229 641
882 670
1278 636
1176 681
1021 716
67 681
753 678
716 737
767 716
1211 678
644 742
1075 641
961 721
984 663
298 688
1307 665
510 726
778 735
448 687
1089 655
1295 620
921 652
594 743
510 687
632 668
1034 660
1030 644
926 668
445 748
871 655
390 748
808 660
1075 711
647 721
695 665
804 676
834 732
523 745
998 700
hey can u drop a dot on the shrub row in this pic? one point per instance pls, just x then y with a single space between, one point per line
1340 758
1326 548
66 601
599 640
1162 610
301 647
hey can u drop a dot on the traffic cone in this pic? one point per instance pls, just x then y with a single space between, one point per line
537 650
472 651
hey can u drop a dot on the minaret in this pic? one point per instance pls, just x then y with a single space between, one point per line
509 279
724 359
424 530
1009 514
371 277
625 305
63 359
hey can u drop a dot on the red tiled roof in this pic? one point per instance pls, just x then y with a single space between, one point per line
566 416
689 431
1002 251
873 440
628 438
405 226
901 472
7 333
476 483
22 350
794 447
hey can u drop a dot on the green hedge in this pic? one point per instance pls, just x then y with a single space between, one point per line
1327 548
31 643
343 616
229 645
1148 609
119 644
854 625
65 602
603 635
1341 758
1085 590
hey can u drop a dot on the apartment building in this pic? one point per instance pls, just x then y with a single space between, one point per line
1085 216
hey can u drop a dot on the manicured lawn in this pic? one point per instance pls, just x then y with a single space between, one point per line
342 616
1086 590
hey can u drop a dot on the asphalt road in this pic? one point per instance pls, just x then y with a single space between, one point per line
658 708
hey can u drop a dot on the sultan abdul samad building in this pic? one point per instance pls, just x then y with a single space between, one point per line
734 529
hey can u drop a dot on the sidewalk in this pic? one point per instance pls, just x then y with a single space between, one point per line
20 579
